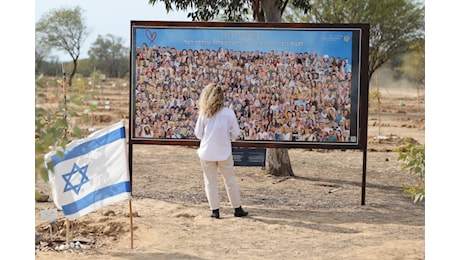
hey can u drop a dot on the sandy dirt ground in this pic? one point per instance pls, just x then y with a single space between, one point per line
316 214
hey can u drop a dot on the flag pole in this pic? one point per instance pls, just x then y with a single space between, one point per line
67 226
67 222
131 221
65 98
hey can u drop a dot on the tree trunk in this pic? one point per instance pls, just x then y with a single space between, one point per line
272 12
74 70
278 162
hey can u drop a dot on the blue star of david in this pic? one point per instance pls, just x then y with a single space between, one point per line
68 176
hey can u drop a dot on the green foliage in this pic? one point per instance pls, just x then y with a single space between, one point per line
110 56
50 128
57 121
413 159
97 77
374 94
53 68
234 10
62 29
85 67
413 64
395 25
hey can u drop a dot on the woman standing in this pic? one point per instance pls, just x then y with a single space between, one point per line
216 127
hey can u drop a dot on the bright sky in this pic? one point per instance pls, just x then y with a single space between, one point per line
109 17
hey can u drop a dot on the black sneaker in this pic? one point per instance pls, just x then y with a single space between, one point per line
239 212
215 213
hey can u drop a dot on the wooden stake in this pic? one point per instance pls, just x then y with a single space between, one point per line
94 82
131 222
64 78
378 105
67 233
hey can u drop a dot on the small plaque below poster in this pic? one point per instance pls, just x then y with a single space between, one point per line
249 156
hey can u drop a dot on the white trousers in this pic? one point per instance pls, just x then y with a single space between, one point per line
210 169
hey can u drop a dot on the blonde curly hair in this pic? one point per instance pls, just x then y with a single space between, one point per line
211 100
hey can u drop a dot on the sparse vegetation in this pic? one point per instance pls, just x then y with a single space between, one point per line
374 94
56 117
413 159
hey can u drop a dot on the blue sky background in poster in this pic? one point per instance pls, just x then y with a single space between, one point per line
335 43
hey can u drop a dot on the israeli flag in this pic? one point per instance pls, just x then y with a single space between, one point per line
93 173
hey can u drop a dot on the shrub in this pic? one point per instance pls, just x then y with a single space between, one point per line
56 119
413 159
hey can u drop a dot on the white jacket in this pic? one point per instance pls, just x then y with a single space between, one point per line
216 135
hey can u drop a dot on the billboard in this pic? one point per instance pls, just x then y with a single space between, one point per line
289 84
